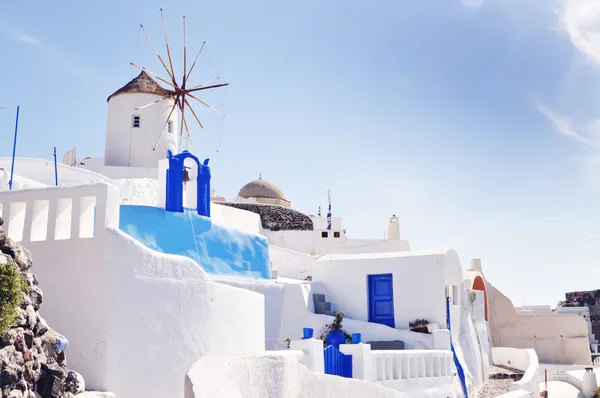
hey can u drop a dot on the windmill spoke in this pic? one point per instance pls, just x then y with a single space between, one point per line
195 60
182 107
205 83
184 55
209 87
162 16
154 75
152 103
206 105
166 122
201 126
157 53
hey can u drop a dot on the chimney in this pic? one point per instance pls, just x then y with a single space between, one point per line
393 228
476 265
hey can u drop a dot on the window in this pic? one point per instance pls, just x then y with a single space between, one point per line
324 234
454 295
170 126
136 121
336 234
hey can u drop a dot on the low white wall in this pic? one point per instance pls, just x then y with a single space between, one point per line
274 375
236 218
42 171
522 359
136 319
96 165
557 339
18 181
515 394
291 264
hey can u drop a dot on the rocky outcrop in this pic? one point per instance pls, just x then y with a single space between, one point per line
32 354
276 218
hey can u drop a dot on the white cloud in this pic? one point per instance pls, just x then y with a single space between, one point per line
580 19
19 36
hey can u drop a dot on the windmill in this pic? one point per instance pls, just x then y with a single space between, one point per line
181 91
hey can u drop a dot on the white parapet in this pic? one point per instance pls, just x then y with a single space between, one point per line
313 353
362 361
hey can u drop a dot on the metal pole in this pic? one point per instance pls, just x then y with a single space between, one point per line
55 168
12 167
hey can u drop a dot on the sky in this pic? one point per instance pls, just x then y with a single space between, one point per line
477 122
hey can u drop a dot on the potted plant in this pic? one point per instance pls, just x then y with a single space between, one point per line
333 334
596 393
419 325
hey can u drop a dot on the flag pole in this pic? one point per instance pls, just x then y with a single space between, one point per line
12 167
55 168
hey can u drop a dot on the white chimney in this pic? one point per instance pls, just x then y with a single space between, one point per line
476 265
393 228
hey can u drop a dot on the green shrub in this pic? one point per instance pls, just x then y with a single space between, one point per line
12 284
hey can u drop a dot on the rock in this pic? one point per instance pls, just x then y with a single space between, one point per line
10 375
54 369
8 251
41 327
15 394
22 257
74 383
35 295
50 386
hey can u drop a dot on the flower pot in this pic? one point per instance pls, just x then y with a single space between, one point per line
307 333
421 329
335 338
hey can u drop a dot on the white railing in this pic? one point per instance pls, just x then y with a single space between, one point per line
54 213
411 364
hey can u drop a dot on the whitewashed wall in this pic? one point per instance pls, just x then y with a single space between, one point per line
136 319
419 278
96 165
291 264
273 375
522 359
236 218
559 339
311 242
127 146
42 171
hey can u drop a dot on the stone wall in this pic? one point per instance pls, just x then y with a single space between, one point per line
32 355
276 218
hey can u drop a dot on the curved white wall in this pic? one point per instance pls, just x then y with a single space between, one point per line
42 171
129 146
272 375
522 359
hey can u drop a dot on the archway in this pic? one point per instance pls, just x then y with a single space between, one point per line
174 184
479 284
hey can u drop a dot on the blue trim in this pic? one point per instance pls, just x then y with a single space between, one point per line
459 368
55 168
337 363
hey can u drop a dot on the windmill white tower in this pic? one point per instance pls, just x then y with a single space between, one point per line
142 119
137 136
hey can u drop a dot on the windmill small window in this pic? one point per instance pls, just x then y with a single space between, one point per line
170 127
136 121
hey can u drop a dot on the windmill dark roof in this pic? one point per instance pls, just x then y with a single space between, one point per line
142 84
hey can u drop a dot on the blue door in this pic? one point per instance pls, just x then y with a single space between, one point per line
381 299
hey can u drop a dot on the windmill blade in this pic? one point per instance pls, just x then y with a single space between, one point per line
162 15
195 60
166 122
184 54
157 53
152 103
205 83
201 126
154 75
209 87
206 105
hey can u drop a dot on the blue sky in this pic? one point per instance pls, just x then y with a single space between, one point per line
476 122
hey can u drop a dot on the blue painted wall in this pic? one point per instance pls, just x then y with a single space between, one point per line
219 250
